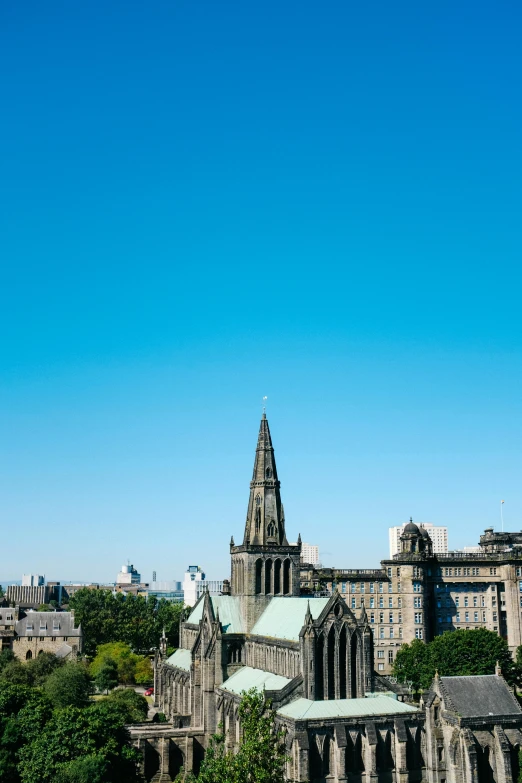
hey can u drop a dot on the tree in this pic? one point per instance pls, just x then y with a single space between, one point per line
69 686
74 733
16 672
6 656
454 653
143 673
134 706
42 666
88 769
107 676
261 756
122 655
134 620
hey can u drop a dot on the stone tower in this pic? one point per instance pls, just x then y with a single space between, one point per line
265 565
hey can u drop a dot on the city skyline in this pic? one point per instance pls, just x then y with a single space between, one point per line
206 204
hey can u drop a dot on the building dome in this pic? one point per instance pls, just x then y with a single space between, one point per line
411 527
424 533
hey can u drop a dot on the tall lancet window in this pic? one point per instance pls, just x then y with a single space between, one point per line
268 473
258 513
271 530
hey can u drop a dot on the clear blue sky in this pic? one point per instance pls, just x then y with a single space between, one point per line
207 202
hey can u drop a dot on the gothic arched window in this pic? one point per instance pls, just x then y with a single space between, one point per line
268 473
271 530
258 500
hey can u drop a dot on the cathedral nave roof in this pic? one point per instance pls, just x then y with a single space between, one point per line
305 709
247 677
284 617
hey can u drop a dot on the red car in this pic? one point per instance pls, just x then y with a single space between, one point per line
149 691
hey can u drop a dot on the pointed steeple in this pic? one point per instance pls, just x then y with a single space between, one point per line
265 523
308 615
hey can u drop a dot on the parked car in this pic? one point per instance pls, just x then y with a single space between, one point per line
149 692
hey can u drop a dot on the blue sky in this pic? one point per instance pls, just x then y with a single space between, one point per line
204 203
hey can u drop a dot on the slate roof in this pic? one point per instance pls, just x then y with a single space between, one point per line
476 696
47 624
229 612
247 677
305 709
284 617
181 659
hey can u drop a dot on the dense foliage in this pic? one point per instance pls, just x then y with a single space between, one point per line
130 668
261 755
452 654
50 730
134 620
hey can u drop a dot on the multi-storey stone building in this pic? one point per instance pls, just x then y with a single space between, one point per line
313 657
30 633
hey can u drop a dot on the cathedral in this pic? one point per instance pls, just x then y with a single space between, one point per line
314 659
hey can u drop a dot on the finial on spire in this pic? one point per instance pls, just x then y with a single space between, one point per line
308 615
436 674
232 541
411 519
264 407
299 542
498 670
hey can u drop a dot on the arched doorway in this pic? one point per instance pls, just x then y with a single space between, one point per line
28 655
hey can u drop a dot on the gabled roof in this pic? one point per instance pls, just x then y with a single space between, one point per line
47 624
181 659
305 709
476 696
229 608
284 617
246 678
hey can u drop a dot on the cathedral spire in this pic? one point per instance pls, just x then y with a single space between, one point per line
265 523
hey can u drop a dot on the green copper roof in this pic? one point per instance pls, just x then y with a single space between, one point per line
246 678
229 612
302 709
284 617
181 659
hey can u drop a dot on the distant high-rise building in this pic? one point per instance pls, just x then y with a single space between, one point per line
195 583
33 580
128 576
437 533
309 553
153 576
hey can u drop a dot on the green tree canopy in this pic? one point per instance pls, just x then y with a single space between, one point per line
69 686
42 666
135 620
452 654
261 755
134 707
107 676
73 733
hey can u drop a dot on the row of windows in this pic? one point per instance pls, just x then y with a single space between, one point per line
49 638
372 604
476 618
393 633
477 600
390 618
371 587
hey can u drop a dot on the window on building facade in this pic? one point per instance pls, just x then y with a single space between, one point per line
417 587
372 603
381 633
390 656
381 617
391 633
519 571
483 617
400 633
399 602
398 572
391 617
362 587
448 618
466 617
492 571
476 616
475 600
495 618
466 600
418 633
390 602
380 667
418 617
457 617
475 571
352 587
457 599
343 587
381 602
372 618
380 653
353 603
381 587
389 572
417 602
372 587
482 601
399 620
390 587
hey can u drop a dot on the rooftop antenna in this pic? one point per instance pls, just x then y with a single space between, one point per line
264 406
501 515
